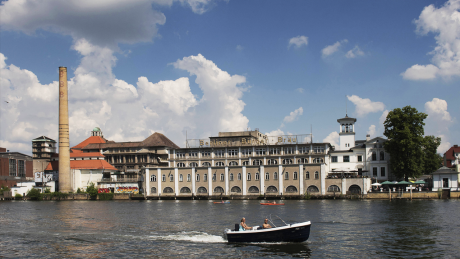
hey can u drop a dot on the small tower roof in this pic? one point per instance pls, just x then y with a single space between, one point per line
97 129
346 118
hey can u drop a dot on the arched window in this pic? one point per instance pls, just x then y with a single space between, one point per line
294 176
312 188
185 190
193 164
233 163
222 177
333 188
249 177
257 162
219 163
239 176
307 175
272 189
302 161
316 175
197 177
253 189
231 177
275 176
168 190
235 189
205 177
219 189
267 176
202 190
286 175
153 178
374 156
272 162
180 164
153 190
257 177
163 178
189 178
181 178
206 164
245 162
171 177
287 161
291 189
382 155
355 189
214 176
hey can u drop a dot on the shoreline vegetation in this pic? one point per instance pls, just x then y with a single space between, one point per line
58 196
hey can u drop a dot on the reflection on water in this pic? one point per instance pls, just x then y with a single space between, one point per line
340 229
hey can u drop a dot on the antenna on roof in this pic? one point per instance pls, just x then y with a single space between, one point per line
311 133
346 106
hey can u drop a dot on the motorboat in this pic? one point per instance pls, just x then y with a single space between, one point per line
297 232
271 203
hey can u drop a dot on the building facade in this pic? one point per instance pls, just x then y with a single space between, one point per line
43 149
14 167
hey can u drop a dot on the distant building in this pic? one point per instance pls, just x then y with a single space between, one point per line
43 149
445 179
14 167
452 157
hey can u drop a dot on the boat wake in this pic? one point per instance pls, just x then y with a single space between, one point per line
193 236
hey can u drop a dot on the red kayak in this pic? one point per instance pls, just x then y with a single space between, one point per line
221 202
271 203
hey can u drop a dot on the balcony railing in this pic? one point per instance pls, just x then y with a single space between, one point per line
118 180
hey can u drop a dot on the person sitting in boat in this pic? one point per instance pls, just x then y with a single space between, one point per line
266 225
243 225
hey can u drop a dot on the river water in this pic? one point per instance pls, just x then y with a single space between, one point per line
193 229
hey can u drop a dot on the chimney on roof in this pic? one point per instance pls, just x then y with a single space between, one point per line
455 145
368 137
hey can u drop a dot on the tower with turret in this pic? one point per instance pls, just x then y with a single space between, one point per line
346 133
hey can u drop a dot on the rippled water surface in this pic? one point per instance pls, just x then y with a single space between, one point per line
193 229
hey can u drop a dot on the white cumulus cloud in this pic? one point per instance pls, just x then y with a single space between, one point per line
354 52
294 115
365 106
438 122
371 131
332 138
298 41
444 23
331 49
438 107
383 117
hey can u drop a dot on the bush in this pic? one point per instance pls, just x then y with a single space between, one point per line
34 194
4 189
307 196
105 196
47 190
92 191
18 196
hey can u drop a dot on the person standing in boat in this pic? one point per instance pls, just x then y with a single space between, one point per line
266 225
243 225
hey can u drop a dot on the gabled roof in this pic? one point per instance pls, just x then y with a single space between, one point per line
449 155
445 170
158 139
90 140
83 164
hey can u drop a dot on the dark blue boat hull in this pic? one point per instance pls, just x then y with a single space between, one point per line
292 233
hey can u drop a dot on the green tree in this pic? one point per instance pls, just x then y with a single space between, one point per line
432 160
404 130
91 190
34 194
4 189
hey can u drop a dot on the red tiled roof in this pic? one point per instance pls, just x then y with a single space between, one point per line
450 155
82 164
90 140
89 154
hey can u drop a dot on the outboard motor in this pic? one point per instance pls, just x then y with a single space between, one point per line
237 227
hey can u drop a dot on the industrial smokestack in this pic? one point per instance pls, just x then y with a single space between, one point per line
64 149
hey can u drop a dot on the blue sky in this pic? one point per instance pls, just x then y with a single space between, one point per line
202 66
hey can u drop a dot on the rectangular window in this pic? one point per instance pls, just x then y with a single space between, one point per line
303 150
360 158
318 149
180 155
219 153
12 167
22 172
205 153
193 154
233 152
246 152
274 151
374 171
445 182
286 176
260 151
346 158
334 159
382 171
288 150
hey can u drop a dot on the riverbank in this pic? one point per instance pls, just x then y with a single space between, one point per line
371 196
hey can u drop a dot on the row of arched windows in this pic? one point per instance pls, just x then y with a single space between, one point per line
286 161
254 189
